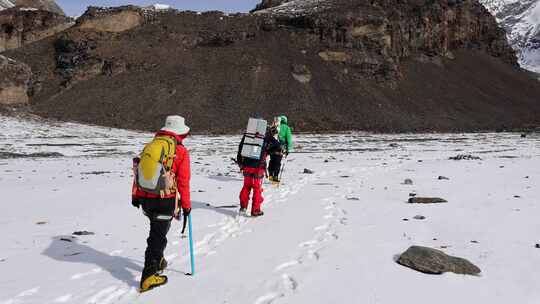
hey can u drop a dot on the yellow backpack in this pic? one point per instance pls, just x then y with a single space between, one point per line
154 170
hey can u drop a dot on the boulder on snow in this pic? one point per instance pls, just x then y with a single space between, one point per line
426 200
433 261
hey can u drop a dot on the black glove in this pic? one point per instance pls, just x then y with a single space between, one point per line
186 212
135 202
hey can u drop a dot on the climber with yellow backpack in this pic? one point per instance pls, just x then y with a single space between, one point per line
161 187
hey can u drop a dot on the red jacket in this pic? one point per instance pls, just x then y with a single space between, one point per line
182 170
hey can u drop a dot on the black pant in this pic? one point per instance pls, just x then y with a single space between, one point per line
157 240
275 165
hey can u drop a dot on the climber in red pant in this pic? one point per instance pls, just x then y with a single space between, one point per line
254 171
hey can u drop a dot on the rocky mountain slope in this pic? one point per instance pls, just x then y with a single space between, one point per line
380 65
46 5
20 26
521 19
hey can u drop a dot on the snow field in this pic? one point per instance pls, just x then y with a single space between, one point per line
327 237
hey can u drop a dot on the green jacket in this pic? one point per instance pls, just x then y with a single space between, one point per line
285 134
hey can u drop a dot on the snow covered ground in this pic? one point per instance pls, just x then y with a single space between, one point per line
327 237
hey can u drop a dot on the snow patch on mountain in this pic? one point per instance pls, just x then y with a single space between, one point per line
521 19
5 4
296 7
159 6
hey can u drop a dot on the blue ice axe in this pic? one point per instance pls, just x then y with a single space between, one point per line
187 219
191 255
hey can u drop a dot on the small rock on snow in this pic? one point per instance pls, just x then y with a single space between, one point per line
443 177
41 223
426 200
407 181
419 217
537 246
83 233
308 171
464 157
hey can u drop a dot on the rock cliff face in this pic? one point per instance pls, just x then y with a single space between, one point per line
380 65
375 36
14 81
111 19
46 5
20 26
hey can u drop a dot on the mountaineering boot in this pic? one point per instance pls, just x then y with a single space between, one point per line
162 265
153 281
271 178
150 277
242 211
257 213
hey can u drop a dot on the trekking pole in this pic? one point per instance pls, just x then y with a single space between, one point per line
282 168
192 256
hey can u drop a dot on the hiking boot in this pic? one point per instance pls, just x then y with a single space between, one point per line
153 281
242 211
162 265
257 213
271 178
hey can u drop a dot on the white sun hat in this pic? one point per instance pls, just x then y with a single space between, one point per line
176 124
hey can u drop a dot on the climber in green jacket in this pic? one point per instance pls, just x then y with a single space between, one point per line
285 139
285 135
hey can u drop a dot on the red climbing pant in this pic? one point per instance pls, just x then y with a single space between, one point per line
252 181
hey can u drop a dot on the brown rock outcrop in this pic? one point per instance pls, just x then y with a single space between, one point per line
45 5
14 81
111 19
19 27
376 36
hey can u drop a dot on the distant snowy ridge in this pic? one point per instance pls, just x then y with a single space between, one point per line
521 19
296 7
5 4
160 7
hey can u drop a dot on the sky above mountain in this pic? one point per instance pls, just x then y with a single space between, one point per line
75 8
